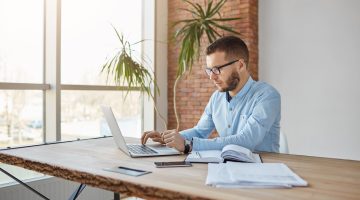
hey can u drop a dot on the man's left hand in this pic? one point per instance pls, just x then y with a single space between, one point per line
173 139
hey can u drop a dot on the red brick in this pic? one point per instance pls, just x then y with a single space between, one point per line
195 89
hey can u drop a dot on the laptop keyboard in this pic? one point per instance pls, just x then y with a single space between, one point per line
140 149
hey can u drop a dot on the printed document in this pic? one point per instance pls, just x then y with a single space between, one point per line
252 175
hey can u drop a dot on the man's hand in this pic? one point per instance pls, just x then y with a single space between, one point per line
154 135
173 139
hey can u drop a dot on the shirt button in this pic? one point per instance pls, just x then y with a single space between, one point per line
229 126
230 109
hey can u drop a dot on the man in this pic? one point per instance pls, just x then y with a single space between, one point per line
244 112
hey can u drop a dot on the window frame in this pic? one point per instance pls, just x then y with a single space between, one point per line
52 62
51 85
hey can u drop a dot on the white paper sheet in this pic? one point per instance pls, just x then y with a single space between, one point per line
234 174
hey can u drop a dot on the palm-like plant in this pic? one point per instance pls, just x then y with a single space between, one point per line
125 69
206 21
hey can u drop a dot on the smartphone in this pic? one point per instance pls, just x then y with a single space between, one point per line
172 164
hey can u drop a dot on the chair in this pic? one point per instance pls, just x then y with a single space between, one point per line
284 148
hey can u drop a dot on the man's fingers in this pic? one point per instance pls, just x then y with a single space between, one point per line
165 137
169 131
158 140
169 139
143 141
148 135
168 135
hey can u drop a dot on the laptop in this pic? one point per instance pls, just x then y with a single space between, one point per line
134 150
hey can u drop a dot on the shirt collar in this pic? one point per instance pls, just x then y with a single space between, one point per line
243 90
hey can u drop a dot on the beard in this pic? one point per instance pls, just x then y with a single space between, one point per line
231 82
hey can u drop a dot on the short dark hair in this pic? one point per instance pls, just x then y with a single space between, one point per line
232 46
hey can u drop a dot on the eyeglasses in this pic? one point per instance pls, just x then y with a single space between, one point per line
216 70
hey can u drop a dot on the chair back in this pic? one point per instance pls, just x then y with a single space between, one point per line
284 148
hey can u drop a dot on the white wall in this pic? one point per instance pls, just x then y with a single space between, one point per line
310 51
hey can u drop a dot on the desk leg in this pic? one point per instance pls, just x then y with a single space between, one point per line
116 196
24 184
77 192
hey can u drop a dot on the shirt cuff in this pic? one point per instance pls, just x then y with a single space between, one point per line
200 144
186 134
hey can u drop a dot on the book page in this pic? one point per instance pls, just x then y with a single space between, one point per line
239 153
210 156
238 148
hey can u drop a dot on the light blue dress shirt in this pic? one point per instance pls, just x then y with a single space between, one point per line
251 119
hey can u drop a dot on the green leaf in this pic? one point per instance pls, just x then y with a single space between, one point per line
184 21
225 19
217 8
199 10
213 32
202 12
192 30
118 35
226 28
209 8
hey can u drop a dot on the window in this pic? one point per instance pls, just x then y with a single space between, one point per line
87 39
21 78
82 117
21 117
21 39
45 66
21 68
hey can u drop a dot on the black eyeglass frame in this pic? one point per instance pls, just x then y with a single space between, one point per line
216 70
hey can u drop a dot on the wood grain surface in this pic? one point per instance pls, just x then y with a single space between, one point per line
84 161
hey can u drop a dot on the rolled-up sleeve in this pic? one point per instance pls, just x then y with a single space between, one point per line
205 125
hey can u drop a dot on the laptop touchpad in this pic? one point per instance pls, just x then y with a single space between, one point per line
162 148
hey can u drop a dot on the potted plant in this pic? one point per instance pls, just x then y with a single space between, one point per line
204 21
125 69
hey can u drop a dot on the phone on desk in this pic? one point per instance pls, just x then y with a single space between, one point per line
172 164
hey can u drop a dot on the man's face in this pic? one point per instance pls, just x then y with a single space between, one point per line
229 76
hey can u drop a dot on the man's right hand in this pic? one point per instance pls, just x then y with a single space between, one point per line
154 135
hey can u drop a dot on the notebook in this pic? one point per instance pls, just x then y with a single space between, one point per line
229 152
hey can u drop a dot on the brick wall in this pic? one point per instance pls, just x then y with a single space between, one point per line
194 90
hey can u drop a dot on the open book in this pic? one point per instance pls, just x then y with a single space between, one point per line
229 152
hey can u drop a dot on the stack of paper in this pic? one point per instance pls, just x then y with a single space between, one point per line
252 175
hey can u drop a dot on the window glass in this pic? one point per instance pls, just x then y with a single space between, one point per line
21 173
21 40
87 36
21 114
81 115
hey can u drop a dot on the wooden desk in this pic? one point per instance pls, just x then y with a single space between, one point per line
84 161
